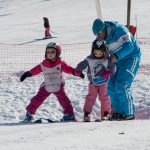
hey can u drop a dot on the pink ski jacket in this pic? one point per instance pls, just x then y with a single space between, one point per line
52 71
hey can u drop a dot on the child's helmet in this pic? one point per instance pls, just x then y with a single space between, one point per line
98 44
55 46
45 18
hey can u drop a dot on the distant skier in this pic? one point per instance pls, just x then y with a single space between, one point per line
47 28
52 68
125 53
98 72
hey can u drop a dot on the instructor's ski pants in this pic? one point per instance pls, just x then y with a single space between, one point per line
119 86
42 94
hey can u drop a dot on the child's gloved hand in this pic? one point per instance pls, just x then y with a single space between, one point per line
78 73
25 75
82 75
107 74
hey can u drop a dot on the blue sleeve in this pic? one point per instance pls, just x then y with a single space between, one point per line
82 65
111 66
126 45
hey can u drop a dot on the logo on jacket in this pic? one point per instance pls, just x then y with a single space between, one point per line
98 70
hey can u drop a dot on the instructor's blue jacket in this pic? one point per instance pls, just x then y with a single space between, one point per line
120 42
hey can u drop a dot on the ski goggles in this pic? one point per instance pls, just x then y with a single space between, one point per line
51 52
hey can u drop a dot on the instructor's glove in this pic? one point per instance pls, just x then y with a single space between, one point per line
25 75
114 58
78 73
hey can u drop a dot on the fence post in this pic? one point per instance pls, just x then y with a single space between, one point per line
98 9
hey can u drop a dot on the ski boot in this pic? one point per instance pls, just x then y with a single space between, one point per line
120 117
87 117
28 118
106 116
116 117
68 118
131 117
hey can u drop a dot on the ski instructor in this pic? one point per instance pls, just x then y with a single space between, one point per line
125 52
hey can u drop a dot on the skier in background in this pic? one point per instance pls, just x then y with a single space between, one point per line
52 68
47 28
99 70
125 52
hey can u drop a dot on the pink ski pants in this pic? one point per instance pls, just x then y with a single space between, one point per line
47 32
42 94
101 92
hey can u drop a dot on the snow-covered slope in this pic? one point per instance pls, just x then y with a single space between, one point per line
71 21
128 135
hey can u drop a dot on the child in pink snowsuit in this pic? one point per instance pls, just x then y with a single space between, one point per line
99 68
52 68
47 28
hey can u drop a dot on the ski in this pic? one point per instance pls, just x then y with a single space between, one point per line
40 120
35 40
44 120
47 120
45 38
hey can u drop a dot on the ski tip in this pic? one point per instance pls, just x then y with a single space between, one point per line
38 121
